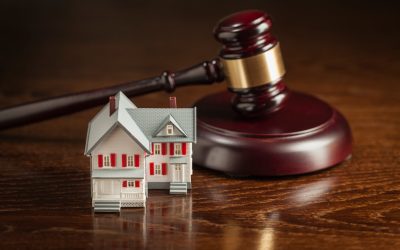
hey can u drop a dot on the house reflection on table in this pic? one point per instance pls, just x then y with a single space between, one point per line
163 216
167 220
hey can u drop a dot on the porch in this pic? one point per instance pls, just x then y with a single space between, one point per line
109 190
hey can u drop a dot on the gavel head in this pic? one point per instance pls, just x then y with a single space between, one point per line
252 63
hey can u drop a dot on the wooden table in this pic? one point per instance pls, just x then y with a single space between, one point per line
347 54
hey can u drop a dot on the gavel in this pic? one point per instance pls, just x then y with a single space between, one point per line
257 128
250 61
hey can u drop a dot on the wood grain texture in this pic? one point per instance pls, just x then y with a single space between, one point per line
345 53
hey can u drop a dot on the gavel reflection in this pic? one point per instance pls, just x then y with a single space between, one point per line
250 61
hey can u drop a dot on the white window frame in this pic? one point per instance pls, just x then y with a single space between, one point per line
130 183
170 129
130 161
177 149
157 148
107 161
157 169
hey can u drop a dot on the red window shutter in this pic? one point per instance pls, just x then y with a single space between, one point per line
137 161
184 148
171 148
164 168
123 160
124 183
152 148
100 160
137 183
151 168
164 148
112 156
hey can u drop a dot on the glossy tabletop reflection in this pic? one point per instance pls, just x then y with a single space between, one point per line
349 59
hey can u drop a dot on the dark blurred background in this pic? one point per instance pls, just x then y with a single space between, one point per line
95 43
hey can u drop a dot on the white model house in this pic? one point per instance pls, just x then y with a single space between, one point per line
135 149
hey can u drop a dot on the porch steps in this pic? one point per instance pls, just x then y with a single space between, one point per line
178 188
107 206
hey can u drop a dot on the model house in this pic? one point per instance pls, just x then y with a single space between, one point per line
135 149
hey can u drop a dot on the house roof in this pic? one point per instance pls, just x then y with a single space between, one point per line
102 124
167 120
141 124
150 120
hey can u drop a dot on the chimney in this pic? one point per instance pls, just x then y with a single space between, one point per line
112 105
172 102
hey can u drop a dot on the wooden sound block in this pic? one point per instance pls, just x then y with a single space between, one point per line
304 136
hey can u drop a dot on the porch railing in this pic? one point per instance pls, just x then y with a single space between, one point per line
131 196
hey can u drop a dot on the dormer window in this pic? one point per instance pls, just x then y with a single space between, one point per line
170 129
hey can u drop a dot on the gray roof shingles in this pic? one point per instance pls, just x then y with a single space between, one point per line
150 119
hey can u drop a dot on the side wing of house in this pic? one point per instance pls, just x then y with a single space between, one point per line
169 166
170 162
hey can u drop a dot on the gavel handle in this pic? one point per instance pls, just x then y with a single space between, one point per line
204 73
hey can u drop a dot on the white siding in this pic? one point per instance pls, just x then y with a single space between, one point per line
159 159
118 142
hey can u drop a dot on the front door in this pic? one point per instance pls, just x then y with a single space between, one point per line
108 189
178 173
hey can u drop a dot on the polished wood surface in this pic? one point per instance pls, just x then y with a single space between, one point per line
344 53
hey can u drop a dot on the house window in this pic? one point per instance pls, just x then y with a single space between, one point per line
131 184
106 161
157 169
157 148
178 149
170 129
130 161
